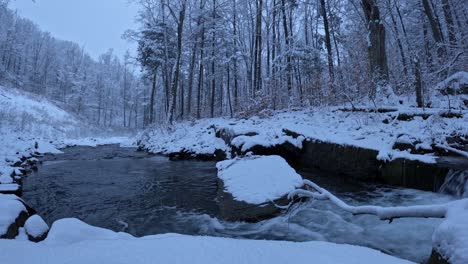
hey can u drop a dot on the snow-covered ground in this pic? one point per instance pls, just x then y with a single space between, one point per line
72 241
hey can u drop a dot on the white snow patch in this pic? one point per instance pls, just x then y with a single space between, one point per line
258 179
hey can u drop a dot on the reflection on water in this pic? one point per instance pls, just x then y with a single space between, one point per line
141 194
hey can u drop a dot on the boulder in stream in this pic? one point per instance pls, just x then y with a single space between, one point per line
249 186
13 215
36 228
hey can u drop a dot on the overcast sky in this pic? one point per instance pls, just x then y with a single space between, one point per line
97 24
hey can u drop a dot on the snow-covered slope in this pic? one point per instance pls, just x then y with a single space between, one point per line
29 114
28 124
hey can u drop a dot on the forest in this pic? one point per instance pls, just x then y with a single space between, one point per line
212 58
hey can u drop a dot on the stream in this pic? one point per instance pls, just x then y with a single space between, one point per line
124 190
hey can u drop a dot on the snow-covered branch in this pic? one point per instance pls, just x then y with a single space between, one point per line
454 150
384 213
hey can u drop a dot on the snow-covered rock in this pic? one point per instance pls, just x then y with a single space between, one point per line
452 92
71 230
451 237
194 139
96 245
13 214
258 179
36 228
11 188
455 84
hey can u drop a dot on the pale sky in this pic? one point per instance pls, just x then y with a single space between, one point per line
97 24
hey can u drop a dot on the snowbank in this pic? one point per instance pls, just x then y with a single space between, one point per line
421 128
258 179
102 246
194 138
10 209
451 237
99 141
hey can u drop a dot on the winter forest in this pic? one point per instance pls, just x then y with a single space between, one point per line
215 58
234 131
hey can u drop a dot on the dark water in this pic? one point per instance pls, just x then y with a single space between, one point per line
140 194
111 187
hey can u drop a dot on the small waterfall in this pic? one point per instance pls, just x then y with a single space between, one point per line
456 183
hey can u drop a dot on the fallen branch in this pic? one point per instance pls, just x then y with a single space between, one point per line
454 150
384 213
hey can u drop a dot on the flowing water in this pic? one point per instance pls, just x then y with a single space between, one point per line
130 191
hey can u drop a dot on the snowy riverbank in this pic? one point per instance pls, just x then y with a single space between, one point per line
31 126
72 241
409 133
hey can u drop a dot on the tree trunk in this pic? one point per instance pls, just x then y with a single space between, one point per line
258 48
418 83
236 70
377 50
153 94
436 32
398 39
213 64
288 48
175 83
450 23
190 80
328 43
201 73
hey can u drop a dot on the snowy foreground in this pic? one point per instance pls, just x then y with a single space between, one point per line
71 241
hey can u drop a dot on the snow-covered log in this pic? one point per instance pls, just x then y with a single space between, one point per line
454 150
384 213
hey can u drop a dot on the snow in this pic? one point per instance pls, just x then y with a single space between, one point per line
36 226
248 142
258 179
97 245
10 209
449 92
451 237
70 231
328 124
28 119
457 80
99 141
197 138
13 187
